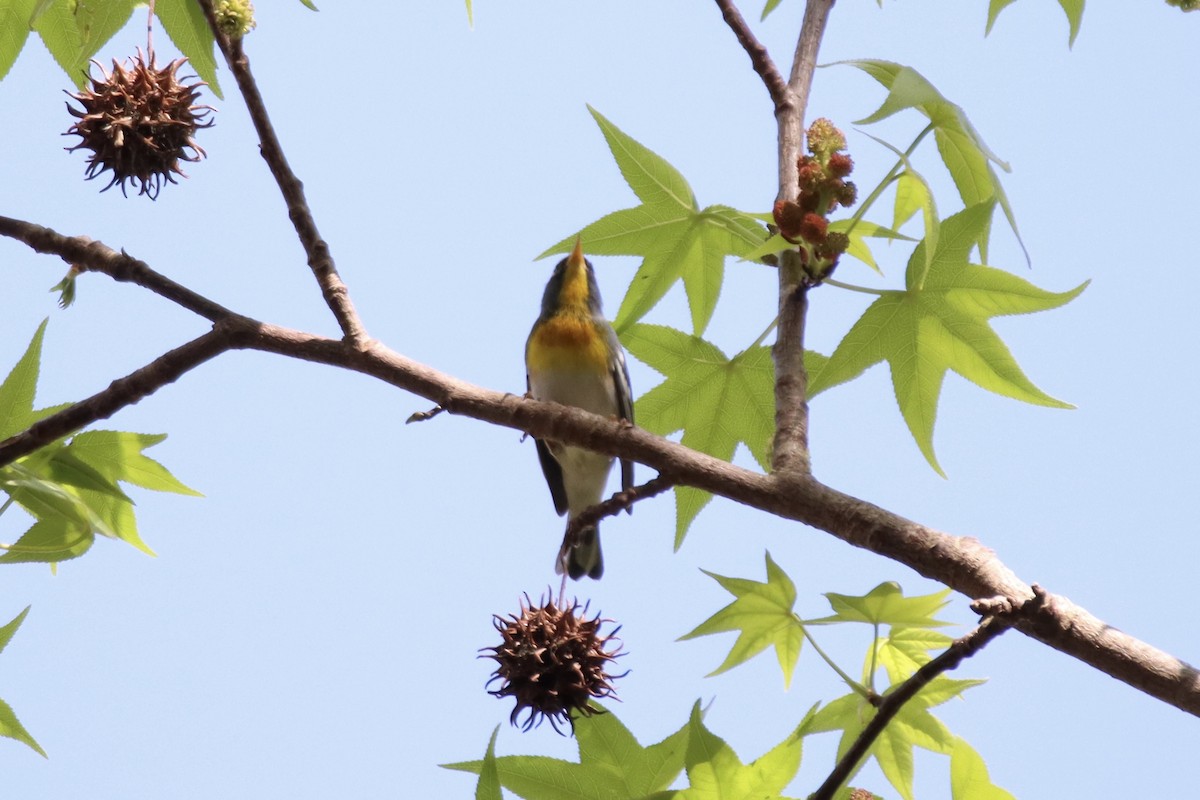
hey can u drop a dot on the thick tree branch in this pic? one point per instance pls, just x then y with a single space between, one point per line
961 563
889 705
320 261
122 392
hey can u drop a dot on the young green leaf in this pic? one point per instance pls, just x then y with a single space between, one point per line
10 726
762 614
45 499
49 541
969 779
118 455
7 631
913 726
967 158
675 237
1072 8
905 650
612 765
768 8
488 787
715 400
98 22
184 22
858 235
940 323
18 390
15 16
716 773
887 605
57 26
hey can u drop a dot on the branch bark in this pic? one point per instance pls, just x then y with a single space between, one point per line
961 563
320 261
890 704
790 454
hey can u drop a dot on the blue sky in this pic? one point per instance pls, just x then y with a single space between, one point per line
310 628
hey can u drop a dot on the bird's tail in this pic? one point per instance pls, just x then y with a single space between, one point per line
580 554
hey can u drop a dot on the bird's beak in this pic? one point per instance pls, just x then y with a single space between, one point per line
575 260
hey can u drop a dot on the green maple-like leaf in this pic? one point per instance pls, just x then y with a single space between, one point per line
612 765
939 323
715 400
904 650
969 779
1072 8
716 773
857 232
184 22
488 787
762 614
72 489
887 605
971 164
14 30
913 726
10 726
675 237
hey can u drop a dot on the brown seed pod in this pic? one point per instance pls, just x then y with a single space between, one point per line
139 122
553 661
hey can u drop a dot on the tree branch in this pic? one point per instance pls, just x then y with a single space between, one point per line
890 704
961 563
320 261
789 452
122 392
777 87
87 255
621 501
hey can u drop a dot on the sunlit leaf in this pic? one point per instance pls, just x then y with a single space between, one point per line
676 238
762 615
612 765
939 323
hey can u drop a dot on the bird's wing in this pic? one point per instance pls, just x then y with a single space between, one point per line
624 392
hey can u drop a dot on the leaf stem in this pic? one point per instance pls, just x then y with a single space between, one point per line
892 175
854 685
850 287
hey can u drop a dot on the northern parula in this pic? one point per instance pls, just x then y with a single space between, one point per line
573 357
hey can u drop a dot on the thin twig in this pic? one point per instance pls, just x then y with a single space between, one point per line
778 88
621 501
890 704
320 261
423 416
122 392
790 454
87 255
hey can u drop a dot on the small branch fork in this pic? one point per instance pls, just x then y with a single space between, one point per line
320 261
998 616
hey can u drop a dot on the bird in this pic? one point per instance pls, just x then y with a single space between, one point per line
573 357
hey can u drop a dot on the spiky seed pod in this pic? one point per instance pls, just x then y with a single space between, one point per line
139 122
235 18
553 661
